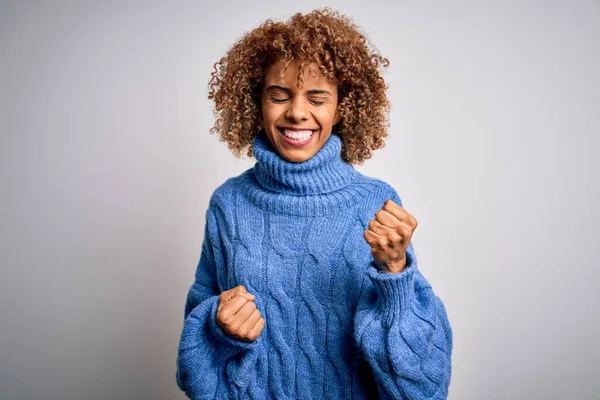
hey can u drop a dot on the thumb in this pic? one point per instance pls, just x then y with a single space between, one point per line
241 291
249 296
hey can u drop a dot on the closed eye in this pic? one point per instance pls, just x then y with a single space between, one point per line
283 100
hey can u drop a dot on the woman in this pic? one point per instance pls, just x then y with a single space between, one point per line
307 284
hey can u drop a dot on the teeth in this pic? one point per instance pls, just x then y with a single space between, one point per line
297 135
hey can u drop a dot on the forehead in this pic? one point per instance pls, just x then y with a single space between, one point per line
312 74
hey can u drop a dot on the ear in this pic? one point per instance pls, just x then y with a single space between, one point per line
337 117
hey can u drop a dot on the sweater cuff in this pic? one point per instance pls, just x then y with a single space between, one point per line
395 290
226 346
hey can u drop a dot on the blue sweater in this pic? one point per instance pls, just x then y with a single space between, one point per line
335 327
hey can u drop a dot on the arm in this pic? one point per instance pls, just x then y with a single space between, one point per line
208 359
402 329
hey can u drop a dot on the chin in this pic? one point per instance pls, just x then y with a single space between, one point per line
297 159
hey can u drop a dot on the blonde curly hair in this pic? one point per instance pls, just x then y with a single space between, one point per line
344 57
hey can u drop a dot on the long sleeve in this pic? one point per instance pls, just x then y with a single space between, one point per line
208 359
402 329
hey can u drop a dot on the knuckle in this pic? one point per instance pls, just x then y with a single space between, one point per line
254 332
402 231
225 319
230 290
235 328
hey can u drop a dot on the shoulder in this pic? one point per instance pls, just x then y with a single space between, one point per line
380 190
223 203
225 194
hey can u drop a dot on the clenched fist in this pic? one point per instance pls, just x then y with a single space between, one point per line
238 316
389 235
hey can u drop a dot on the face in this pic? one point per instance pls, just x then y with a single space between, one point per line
297 121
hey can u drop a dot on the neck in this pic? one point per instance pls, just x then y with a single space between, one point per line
325 172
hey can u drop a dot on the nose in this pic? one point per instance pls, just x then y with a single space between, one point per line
297 110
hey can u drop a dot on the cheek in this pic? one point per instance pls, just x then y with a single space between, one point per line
326 116
266 108
268 113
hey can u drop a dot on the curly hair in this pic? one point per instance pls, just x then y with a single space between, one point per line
345 58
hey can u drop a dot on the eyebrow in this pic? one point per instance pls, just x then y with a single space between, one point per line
287 90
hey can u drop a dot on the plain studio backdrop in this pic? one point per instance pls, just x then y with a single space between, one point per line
107 167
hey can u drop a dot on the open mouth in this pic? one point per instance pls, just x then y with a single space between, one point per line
297 136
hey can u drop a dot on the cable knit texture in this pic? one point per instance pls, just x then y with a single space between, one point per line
336 327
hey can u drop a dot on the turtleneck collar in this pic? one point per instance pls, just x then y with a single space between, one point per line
325 172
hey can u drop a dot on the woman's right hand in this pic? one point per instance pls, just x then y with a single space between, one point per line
238 316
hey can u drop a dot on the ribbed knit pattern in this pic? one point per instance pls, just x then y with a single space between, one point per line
336 327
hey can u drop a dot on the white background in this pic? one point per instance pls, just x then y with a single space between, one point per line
107 166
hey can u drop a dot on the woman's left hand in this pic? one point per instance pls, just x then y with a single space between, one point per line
389 235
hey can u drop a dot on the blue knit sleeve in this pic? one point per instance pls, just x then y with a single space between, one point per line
209 360
402 329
